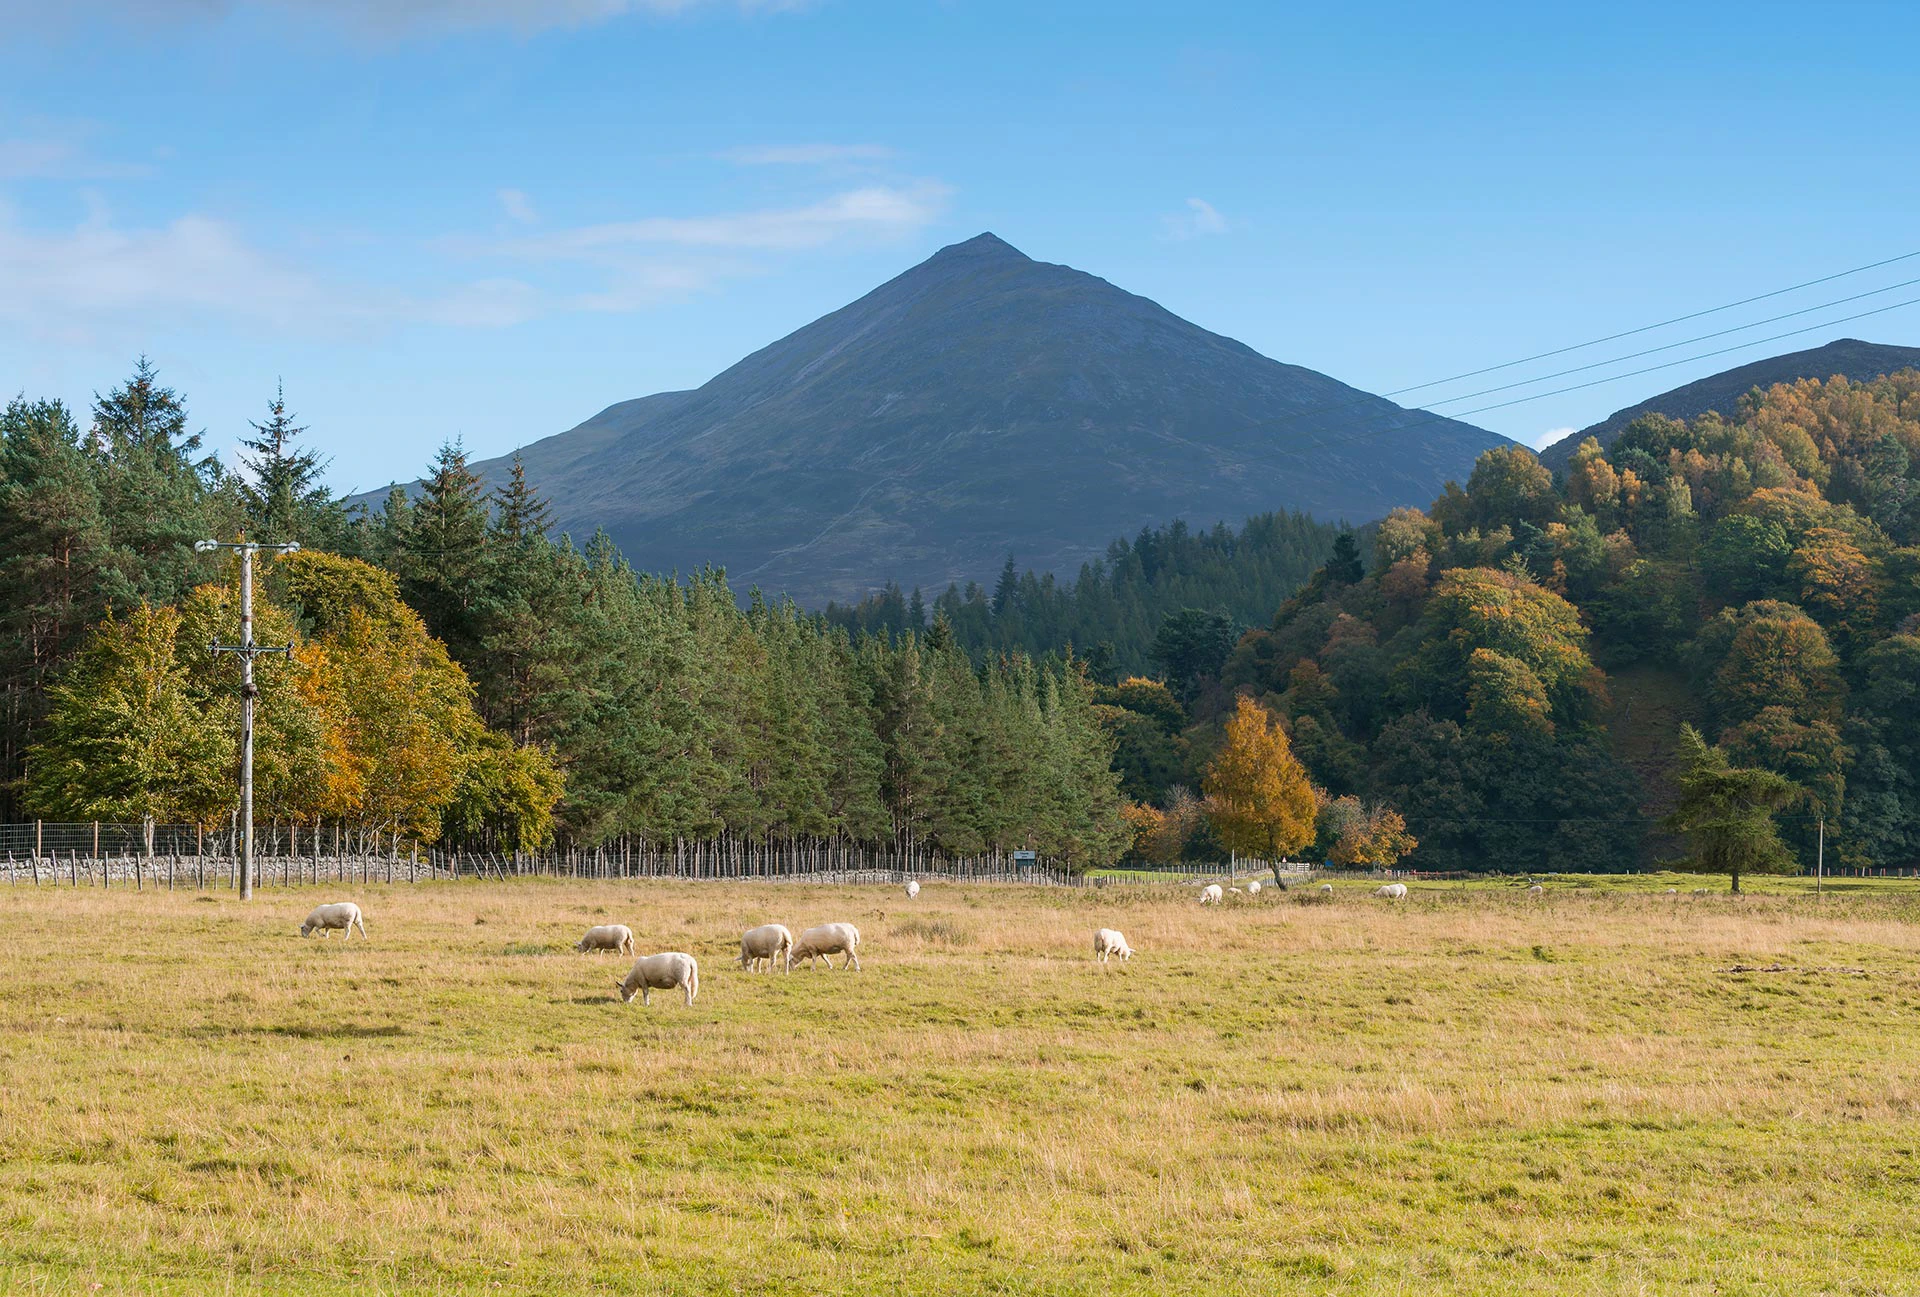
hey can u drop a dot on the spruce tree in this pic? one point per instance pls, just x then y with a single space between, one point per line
286 499
443 559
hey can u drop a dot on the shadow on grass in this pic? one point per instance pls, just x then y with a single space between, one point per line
307 1031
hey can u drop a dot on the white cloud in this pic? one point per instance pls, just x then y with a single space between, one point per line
518 206
71 286
1550 436
809 155
57 154
1198 220
383 17
876 210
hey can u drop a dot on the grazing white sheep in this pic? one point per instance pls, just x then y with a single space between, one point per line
663 972
1212 894
1536 890
607 936
913 889
1253 887
326 918
769 941
1233 891
1326 889
1108 941
1673 891
826 940
1392 891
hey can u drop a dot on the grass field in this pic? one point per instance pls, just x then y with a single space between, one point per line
1470 1092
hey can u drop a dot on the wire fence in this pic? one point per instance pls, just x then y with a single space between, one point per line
173 856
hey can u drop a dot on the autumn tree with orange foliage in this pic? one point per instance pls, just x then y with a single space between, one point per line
1258 796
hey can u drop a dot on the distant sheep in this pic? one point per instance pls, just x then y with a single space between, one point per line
1212 894
1673 891
913 889
1253 887
1392 891
608 936
1326 889
826 940
1107 941
326 918
663 972
1536 890
1233 891
769 941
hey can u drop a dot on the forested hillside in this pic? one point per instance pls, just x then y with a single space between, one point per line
1113 611
458 671
1511 668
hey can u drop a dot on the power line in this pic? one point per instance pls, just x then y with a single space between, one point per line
1705 355
1649 328
1670 346
1365 398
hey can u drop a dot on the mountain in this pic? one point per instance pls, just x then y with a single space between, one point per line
1859 361
979 405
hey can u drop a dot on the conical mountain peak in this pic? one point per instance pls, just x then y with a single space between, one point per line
979 404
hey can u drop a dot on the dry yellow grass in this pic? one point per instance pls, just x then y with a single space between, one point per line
1471 1092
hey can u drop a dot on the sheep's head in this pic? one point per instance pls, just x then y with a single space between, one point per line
306 929
625 994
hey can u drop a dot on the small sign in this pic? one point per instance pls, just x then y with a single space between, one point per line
1024 859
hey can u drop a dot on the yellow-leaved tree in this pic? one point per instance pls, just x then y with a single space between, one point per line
1258 796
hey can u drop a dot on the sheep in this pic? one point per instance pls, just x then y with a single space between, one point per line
1392 891
1536 890
1233 891
1212 894
1326 889
826 940
326 918
770 941
913 889
1673 891
1253 887
663 972
608 936
1107 941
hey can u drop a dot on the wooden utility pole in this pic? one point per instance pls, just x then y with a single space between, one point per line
248 651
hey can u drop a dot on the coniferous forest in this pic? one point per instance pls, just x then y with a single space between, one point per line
1499 681
460 672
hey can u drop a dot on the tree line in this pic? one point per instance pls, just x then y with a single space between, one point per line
458 671
1510 669
1113 612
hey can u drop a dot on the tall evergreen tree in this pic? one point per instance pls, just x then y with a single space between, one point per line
285 498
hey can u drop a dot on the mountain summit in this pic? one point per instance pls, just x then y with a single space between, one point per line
979 405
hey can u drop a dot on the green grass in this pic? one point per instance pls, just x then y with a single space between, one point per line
1473 1091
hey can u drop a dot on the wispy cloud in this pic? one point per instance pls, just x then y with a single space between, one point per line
1550 436
58 153
1199 220
810 155
518 206
379 17
98 278
877 210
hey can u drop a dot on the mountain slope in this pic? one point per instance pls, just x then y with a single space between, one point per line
1859 361
978 405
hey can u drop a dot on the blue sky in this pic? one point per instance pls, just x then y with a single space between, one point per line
492 219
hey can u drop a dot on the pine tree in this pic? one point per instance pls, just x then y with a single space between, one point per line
156 497
1726 812
443 563
286 499
59 570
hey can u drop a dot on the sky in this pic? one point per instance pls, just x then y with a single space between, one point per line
488 220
